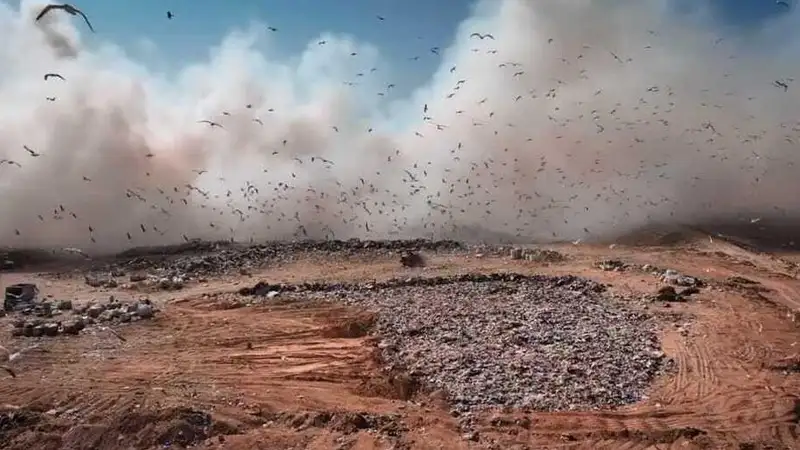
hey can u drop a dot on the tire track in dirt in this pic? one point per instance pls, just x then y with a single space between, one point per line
719 387
288 355
696 377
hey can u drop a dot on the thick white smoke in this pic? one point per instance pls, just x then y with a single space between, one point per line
580 118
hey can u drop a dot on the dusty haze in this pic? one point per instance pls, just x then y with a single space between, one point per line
681 127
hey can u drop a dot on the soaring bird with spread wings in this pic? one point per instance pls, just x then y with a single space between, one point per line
482 36
67 8
53 75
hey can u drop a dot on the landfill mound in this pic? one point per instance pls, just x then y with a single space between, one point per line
348 344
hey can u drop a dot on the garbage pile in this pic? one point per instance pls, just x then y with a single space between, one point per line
171 268
50 317
158 280
45 324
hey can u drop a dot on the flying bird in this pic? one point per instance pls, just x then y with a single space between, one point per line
169 15
210 123
69 9
8 357
31 151
482 36
53 75
10 162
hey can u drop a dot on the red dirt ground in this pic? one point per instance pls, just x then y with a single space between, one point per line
304 376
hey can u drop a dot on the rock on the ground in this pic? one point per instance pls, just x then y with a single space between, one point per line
674 277
412 259
113 312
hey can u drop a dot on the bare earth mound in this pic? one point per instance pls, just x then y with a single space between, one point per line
337 345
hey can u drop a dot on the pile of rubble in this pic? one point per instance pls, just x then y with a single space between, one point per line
169 268
678 287
537 255
502 339
45 323
158 279
263 288
612 265
47 317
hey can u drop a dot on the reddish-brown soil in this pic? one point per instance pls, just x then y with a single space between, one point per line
305 375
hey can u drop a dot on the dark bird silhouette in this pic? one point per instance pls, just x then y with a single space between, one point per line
10 162
169 15
210 123
69 9
482 36
53 75
273 29
32 153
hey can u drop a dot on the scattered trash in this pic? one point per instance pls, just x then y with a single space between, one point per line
45 323
412 259
481 353
197 260
674 277
612 265
537 254
20 296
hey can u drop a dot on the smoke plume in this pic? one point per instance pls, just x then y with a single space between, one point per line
579 119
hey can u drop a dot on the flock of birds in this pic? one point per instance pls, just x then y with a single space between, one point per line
472 191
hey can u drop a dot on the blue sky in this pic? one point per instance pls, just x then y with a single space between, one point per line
411 26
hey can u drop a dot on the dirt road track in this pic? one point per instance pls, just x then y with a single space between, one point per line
304 374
